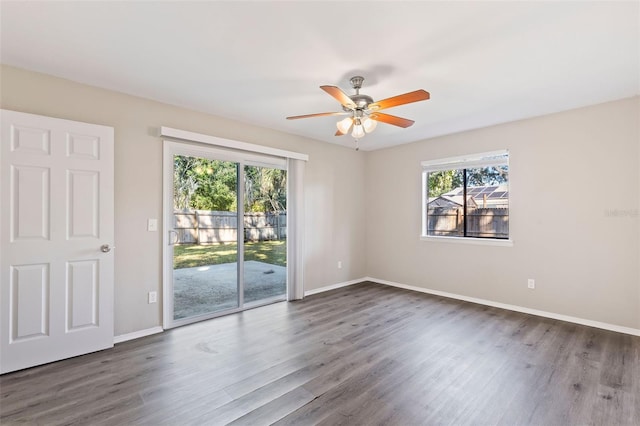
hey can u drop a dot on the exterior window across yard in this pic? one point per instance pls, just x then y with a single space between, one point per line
466 196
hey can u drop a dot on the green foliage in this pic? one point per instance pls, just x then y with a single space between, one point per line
217 188
444 181
487 176
447 180
265 189
204 184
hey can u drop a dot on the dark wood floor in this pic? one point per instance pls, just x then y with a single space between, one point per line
365 354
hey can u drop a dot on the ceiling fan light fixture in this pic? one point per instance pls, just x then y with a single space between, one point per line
358 108
358 130
344 125
369 125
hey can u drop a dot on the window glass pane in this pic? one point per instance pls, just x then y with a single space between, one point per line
487 202
487 214
265 234
444 205
205 254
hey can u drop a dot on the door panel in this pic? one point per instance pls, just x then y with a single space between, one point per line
82 294
29 304
30 202
56 285
30 140
83 147
82 214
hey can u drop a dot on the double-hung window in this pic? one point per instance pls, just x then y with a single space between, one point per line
466 197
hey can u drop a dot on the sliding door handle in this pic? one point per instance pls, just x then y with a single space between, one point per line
173 237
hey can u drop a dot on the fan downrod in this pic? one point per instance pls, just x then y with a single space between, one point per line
356 82
361 101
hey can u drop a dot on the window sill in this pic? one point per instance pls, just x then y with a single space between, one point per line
468 240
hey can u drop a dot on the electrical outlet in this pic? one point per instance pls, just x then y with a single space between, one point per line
153 296
339 264
531 283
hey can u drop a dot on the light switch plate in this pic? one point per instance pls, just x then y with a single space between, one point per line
152 225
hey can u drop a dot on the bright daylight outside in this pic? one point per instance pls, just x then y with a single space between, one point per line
206 262
467 202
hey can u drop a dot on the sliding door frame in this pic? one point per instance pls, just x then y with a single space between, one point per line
242 158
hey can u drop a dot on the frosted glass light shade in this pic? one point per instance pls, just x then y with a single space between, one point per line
369 125
358 131
344 125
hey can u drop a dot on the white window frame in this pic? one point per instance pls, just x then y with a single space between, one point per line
484 159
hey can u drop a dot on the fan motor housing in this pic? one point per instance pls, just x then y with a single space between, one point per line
361 101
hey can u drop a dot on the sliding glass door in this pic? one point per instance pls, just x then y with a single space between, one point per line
226 225
265 223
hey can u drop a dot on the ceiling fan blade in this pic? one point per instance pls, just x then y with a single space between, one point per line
391 119
338 94
407 98
319 114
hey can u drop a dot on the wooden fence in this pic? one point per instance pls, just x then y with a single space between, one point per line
481 222
211 227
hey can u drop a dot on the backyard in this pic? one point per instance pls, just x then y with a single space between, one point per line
205 276
193 255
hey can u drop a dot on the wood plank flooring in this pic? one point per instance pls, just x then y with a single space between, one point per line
365 355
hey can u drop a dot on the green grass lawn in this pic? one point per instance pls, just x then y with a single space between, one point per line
192 255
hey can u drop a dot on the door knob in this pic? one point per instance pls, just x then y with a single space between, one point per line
106 248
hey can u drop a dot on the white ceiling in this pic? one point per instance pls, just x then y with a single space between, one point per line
258 62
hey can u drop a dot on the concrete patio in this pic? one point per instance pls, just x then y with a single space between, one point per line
212 288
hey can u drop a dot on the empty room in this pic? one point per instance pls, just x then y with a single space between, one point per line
319 212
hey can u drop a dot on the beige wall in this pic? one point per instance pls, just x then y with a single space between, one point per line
581 164
568 171
334 179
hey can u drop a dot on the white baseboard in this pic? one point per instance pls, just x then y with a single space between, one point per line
333 286
137 334
581 321
597 324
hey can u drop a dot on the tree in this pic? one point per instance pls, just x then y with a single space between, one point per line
447 180
265 189
204 184
184 181
483 176
444 181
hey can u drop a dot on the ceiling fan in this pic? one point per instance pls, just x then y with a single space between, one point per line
362 112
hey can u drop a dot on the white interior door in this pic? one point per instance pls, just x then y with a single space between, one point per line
56 236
